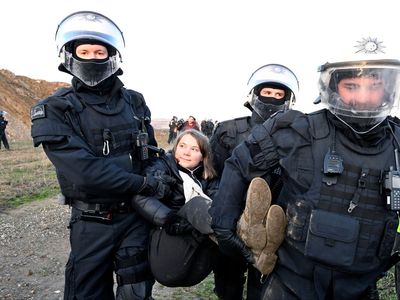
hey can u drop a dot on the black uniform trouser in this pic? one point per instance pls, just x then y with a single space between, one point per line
229 279
323 284
3 139
96 249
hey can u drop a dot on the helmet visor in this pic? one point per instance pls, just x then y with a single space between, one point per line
91 72
265 110
89 25
361 92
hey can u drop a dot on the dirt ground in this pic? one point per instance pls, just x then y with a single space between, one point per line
34 248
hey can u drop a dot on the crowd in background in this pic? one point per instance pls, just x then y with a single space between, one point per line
178 125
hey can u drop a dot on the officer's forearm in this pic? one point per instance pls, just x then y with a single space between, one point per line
152 209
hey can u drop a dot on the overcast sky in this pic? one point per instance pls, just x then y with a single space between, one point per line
194 57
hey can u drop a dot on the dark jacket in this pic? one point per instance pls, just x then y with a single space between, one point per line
3 124
90 137
227 135
157 210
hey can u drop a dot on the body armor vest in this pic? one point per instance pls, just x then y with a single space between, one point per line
236 130
340 219
226 137
110 133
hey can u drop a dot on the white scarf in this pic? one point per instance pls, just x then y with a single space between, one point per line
191 188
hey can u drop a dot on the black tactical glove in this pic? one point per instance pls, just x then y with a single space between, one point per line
158 186
177 225
231 245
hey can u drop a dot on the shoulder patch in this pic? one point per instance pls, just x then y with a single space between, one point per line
38 112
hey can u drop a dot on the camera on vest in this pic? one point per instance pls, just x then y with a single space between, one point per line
142 143
392 189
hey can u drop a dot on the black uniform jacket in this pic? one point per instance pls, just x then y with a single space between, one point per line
90 138
275 143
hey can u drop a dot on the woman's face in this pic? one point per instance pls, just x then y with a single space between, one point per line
362 93
187 153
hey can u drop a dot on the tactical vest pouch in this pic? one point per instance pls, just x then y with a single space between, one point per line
388 239
332 238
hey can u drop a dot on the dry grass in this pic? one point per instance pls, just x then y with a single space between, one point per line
26 175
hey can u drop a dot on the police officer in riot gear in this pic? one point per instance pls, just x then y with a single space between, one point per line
97 134
281 87
271 87
340 175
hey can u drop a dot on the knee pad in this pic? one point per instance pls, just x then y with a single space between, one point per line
133 269
141 290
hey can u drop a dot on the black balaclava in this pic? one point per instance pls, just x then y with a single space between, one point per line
263 107
90 71
103 88
272 100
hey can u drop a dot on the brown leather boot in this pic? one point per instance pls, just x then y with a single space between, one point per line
275 227
251 226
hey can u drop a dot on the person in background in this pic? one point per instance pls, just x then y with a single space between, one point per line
3 134
190 123
207 127
272 87
173 129
97 133
340 178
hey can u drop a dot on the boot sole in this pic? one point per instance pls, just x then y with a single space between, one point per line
258 202
275 227
251 226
